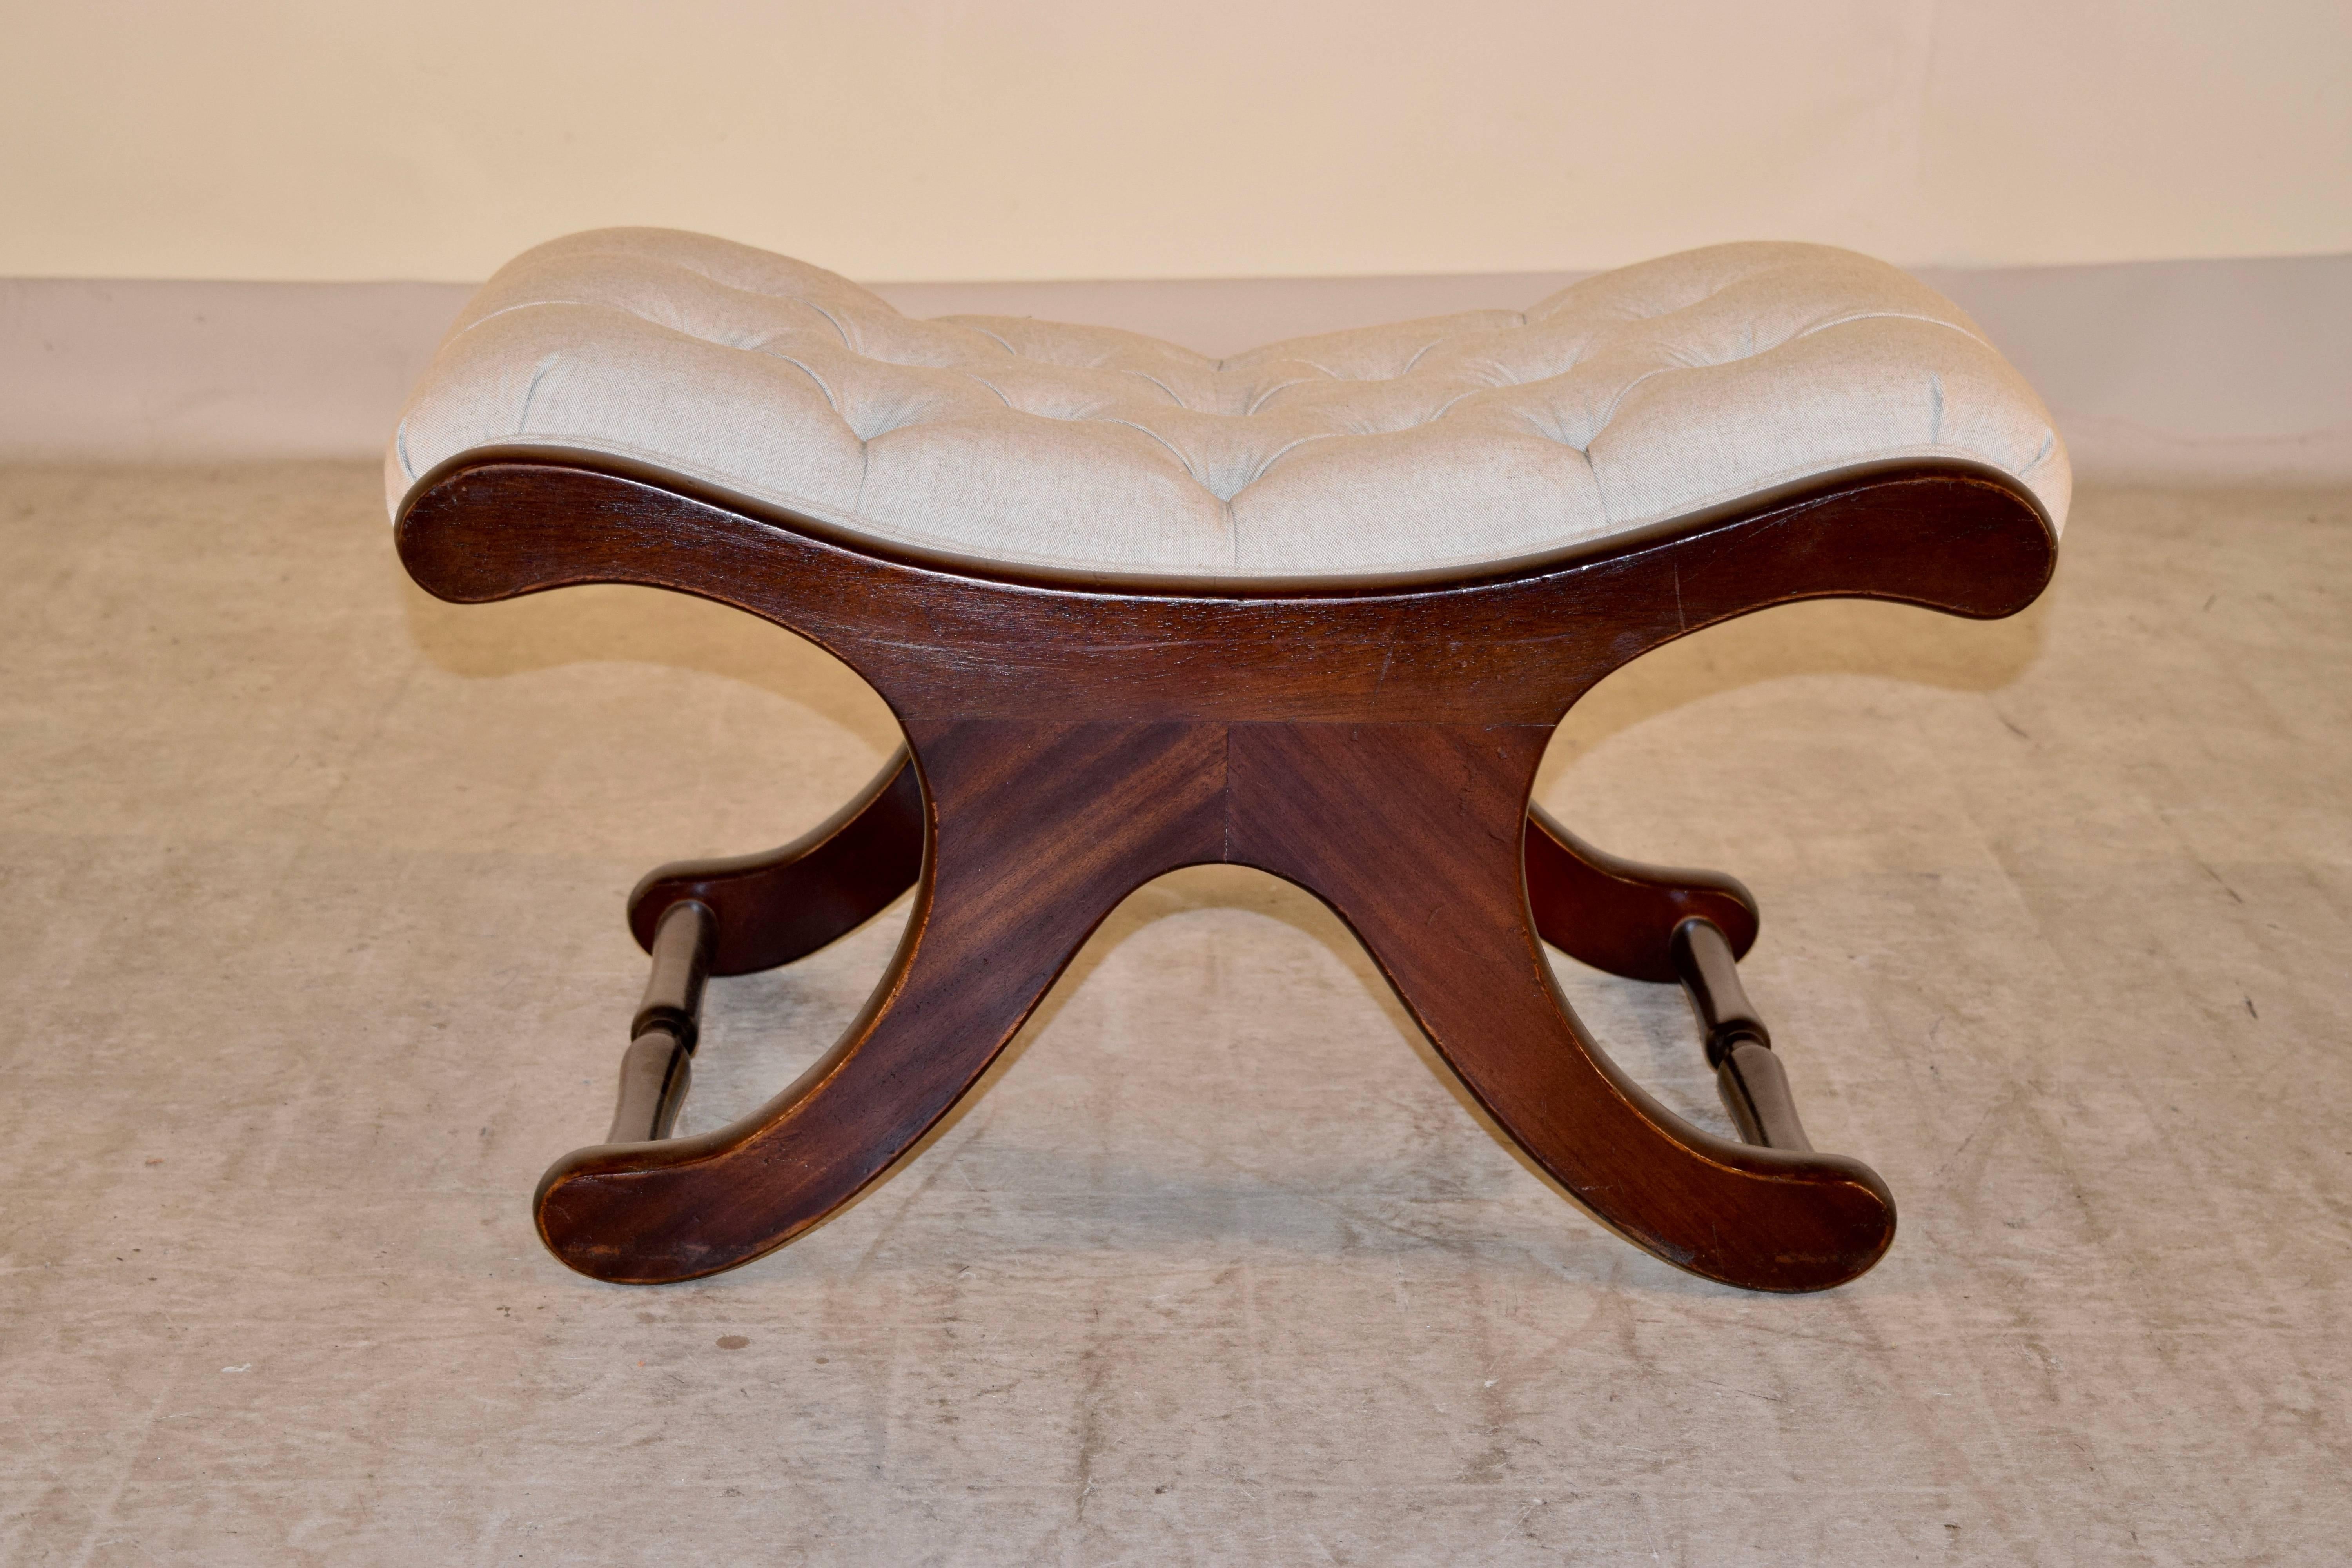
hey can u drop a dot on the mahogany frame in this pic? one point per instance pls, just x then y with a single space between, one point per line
1069 737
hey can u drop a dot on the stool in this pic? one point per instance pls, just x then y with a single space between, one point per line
1315 608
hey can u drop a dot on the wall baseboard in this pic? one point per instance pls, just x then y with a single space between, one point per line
2173 371
139 371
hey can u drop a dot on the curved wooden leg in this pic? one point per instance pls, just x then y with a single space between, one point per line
1620 915
783 904
1444 911
1038 831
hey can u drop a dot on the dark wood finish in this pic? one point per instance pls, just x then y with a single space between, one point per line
783 904
1749 1077
1754 1090
1617 914
659 1068
1375 742
655 1073
1442 911
1040 829
787 904
1710 972
1517 649
681 951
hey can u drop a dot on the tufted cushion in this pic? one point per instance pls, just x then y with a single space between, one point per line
1628 397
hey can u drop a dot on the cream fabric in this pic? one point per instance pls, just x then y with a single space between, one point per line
1626 398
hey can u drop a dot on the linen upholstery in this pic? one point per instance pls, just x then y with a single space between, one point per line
1628 397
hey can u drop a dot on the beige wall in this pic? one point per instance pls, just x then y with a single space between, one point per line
959 139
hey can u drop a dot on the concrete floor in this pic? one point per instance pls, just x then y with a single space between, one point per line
311 959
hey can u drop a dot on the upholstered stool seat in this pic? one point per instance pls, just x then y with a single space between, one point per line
1637 395
1316 609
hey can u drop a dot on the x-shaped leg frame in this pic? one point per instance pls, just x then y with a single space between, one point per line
1068 740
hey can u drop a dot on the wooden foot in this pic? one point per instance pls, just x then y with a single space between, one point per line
1442 909
1039 830
1374 741
1620 915
783 904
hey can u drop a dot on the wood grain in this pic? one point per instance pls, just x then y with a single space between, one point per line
1443 912
1374 741
1517 647
1038 831
786 903
1619 915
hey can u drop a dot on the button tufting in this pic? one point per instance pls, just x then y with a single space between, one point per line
1627 398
